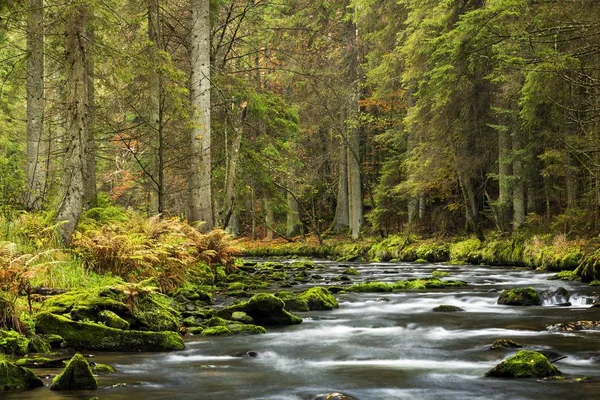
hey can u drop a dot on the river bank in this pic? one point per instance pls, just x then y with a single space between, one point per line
540 252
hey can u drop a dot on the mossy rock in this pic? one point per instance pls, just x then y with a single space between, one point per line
524 364
351 271
38 344
292 302
13 343
575 326
448 308
466 251
236 286
240 316
429 283
15 377
267 309
216 321
190 322
41 362
196 330
55 341
439 274
595 283
112 320
246 329
566 276
302 264
371 287
500 344
420 261
319 298
147 310
216 331
520 297
93 336
102 369
76 376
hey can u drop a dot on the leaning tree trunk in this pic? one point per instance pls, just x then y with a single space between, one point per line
200 174
37 145
76 137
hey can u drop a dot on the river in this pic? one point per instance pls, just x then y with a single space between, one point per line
375 346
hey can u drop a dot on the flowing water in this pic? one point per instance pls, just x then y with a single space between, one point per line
375 346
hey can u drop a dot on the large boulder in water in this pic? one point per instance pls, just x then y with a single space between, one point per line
93 336
500 344
126 306
524 364
15 377
76 376
520 297
266 309
448 308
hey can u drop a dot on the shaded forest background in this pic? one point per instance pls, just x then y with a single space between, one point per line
363 117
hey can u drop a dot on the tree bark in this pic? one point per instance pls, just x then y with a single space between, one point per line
77 99
341 220
37 144
90 193
231 177
200 176
154 118
293 225
504 172
519 185
269 219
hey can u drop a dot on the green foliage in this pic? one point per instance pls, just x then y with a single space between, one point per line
524 364
465 252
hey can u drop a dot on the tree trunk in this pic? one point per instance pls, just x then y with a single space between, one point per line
77 99
504 171
355 200
269 219
231 177
293 225
37 145
341 220
200 174
519 185
90 193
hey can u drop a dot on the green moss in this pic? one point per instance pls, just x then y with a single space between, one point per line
420 261
15 377
371 287
55 341
32 362
439 274
428 283
267 309
216 331
292 302
302 264
236 286
524 364
142 307
13 343
465 252
319 298
505 344
103 369
196 330
240 316
38 344
351 271
567 276
92 336
595 283
76 376
246 329
520 297
112 320
387 249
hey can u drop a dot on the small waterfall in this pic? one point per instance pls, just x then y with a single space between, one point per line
555 297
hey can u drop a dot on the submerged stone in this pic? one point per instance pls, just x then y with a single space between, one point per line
15 377
524 364
505 344
102 369
520 297
334 396
92 336
448 308
76 376
41 362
